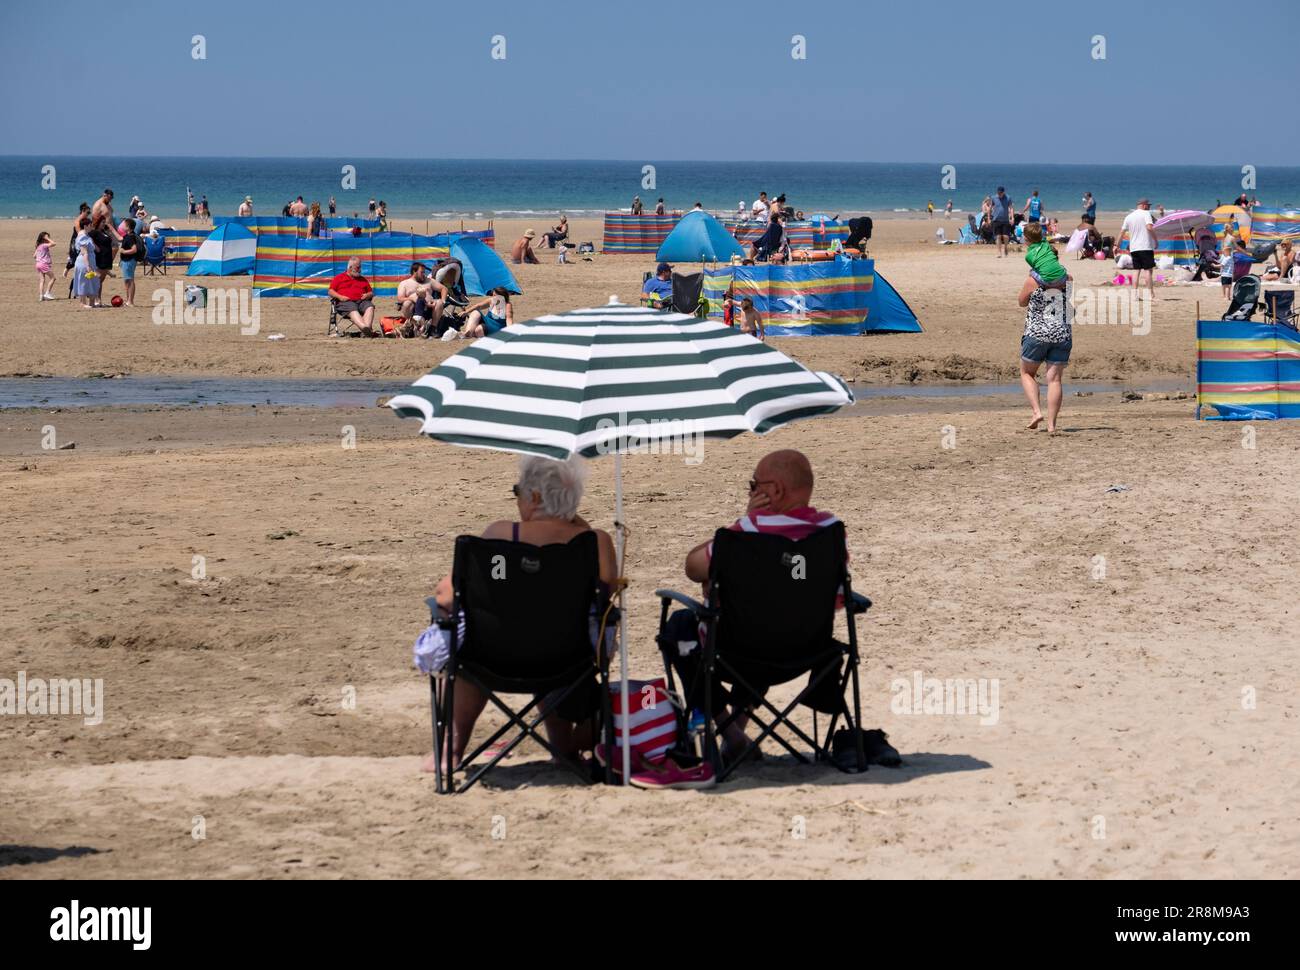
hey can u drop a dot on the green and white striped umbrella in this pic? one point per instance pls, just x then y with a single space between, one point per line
611 378
601 380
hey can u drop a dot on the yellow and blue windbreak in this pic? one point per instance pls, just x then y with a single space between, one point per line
1247 371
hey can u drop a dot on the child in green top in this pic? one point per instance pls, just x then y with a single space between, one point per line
1041 257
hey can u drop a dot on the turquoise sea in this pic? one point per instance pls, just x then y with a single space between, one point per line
452 188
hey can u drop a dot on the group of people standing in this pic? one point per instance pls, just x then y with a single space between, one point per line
96 241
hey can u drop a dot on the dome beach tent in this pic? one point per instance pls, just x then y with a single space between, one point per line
483 269
699 238
229 250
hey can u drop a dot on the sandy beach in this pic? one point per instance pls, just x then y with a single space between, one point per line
1143 639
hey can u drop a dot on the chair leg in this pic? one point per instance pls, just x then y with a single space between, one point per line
437 734
857 718
526 729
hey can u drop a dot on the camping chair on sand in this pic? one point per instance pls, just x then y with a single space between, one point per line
155 255
1279 307
770 619
527 630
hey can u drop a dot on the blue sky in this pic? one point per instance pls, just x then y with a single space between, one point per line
882 81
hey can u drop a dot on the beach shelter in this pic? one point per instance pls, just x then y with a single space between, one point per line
814 299
1247 371
1181 249
888 312
229 250
182 244
609 380
699 238
1274 223
643 234
1231 213
483 269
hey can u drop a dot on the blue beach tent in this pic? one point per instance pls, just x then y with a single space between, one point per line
888 310
699 238
483 269
229 250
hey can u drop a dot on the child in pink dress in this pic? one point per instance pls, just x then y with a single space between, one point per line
44 265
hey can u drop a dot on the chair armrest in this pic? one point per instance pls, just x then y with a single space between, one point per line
860 604
445 622
692 604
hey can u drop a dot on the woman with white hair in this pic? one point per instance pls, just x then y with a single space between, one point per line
547 494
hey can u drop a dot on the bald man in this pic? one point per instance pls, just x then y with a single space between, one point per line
780 496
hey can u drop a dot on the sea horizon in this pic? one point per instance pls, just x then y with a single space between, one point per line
475 188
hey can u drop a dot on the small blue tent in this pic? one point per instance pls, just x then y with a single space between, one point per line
699 238
889 312
484 269
229 250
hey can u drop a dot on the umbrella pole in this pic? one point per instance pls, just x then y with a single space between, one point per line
622 617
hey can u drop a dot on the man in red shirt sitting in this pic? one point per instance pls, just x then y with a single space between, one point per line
353 296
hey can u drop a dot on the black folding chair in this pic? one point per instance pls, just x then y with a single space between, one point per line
528 612
769 619
1279 307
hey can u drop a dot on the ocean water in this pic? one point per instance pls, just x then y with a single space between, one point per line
478 189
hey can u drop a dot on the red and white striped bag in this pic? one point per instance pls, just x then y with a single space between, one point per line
653 719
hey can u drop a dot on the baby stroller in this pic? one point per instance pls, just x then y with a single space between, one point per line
1208 261
1245 298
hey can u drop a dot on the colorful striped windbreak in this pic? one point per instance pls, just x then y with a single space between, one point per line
809 234
1181 248
292 225
626 233
1247 371
1269 224
292 266
799 299
182 244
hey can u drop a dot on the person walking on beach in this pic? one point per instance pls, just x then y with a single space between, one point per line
1090 208
44 266
636 205
929 208
246 207
1141 244
1046 338
192 208
947 210
204 212
659 207
332 208
314 221
1003 232
1033 208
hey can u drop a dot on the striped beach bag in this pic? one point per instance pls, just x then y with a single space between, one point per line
653 720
